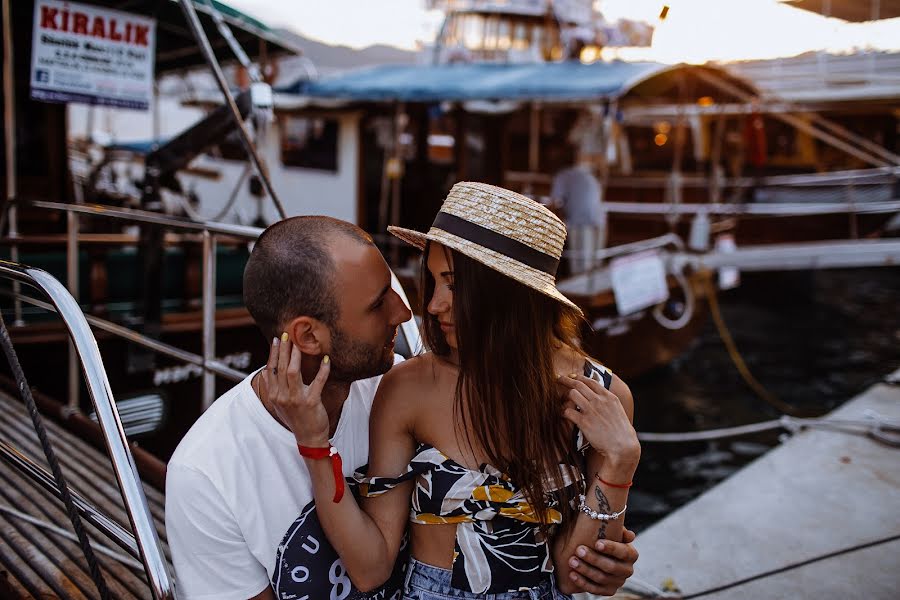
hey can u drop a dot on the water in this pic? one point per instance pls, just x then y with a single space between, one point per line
814 339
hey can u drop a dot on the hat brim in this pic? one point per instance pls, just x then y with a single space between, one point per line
531 277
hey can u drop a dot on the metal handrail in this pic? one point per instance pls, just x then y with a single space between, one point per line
216 366
109 527
145 216
98 386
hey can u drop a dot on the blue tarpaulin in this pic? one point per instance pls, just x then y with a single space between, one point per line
137 147
556 81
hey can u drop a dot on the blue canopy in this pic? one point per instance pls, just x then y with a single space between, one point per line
555 81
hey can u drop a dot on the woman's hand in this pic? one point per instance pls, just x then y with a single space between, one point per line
299 406
599 414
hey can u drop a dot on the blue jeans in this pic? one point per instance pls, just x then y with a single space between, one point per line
425 582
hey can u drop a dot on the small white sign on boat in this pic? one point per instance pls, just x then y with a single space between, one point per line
729 277
638 281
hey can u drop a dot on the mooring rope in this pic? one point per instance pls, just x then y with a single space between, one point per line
875 427
738 360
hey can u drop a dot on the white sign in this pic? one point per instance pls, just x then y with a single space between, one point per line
638 281
84 53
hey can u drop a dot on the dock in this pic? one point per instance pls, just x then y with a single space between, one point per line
817 517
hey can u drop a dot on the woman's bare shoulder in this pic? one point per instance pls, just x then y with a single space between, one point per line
407 380
623 393
617 386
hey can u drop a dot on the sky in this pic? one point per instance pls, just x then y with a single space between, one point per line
694 30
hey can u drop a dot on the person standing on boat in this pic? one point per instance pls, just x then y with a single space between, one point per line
241 516
577 193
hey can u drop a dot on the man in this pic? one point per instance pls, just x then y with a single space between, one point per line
578 193
240 513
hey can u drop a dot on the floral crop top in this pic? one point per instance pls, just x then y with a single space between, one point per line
498 547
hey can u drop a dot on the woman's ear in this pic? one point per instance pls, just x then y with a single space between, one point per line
310 335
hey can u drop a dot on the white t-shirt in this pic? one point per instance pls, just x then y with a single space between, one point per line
239 503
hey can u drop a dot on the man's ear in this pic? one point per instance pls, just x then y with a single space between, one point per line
309 334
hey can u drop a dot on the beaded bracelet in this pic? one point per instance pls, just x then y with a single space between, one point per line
598 516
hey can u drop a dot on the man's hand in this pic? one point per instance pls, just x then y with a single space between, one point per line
603 569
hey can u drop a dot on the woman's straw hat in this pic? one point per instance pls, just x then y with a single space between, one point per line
503 230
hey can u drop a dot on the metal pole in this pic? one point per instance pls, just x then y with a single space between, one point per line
715 159
14 257
534 143
157 133
209 317
194 22
675 180
399 123
72 284
9 139
252 70
9 106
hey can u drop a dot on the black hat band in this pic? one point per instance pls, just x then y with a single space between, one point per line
497 242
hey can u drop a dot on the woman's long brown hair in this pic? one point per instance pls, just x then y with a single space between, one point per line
507 400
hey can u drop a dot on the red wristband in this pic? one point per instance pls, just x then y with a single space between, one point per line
621 486
337 466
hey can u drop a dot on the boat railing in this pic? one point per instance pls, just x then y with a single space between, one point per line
144 543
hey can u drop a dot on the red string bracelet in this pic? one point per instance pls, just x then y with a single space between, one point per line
337 467
621 486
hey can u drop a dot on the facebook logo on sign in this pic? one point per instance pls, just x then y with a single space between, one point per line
42 76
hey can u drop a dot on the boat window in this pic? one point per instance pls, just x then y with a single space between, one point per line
309 142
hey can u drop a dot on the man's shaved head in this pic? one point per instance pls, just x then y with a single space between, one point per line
290 272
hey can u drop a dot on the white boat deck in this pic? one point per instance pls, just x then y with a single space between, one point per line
820 492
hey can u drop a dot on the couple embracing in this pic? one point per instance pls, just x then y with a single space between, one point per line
498 462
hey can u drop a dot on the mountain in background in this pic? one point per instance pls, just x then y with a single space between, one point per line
330 59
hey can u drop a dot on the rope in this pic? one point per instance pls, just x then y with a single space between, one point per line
686 315
738 360
195 215
25 391
875 427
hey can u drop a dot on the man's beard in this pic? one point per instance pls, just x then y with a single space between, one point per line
352 360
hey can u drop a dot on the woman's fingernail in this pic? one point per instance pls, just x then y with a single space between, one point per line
284 337
274 341
326 360
581 551
573 562
599 546
573 375
573 576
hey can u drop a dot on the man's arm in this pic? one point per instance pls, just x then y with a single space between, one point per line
266 594
603 569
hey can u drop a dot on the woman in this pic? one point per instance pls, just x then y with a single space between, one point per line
514 447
